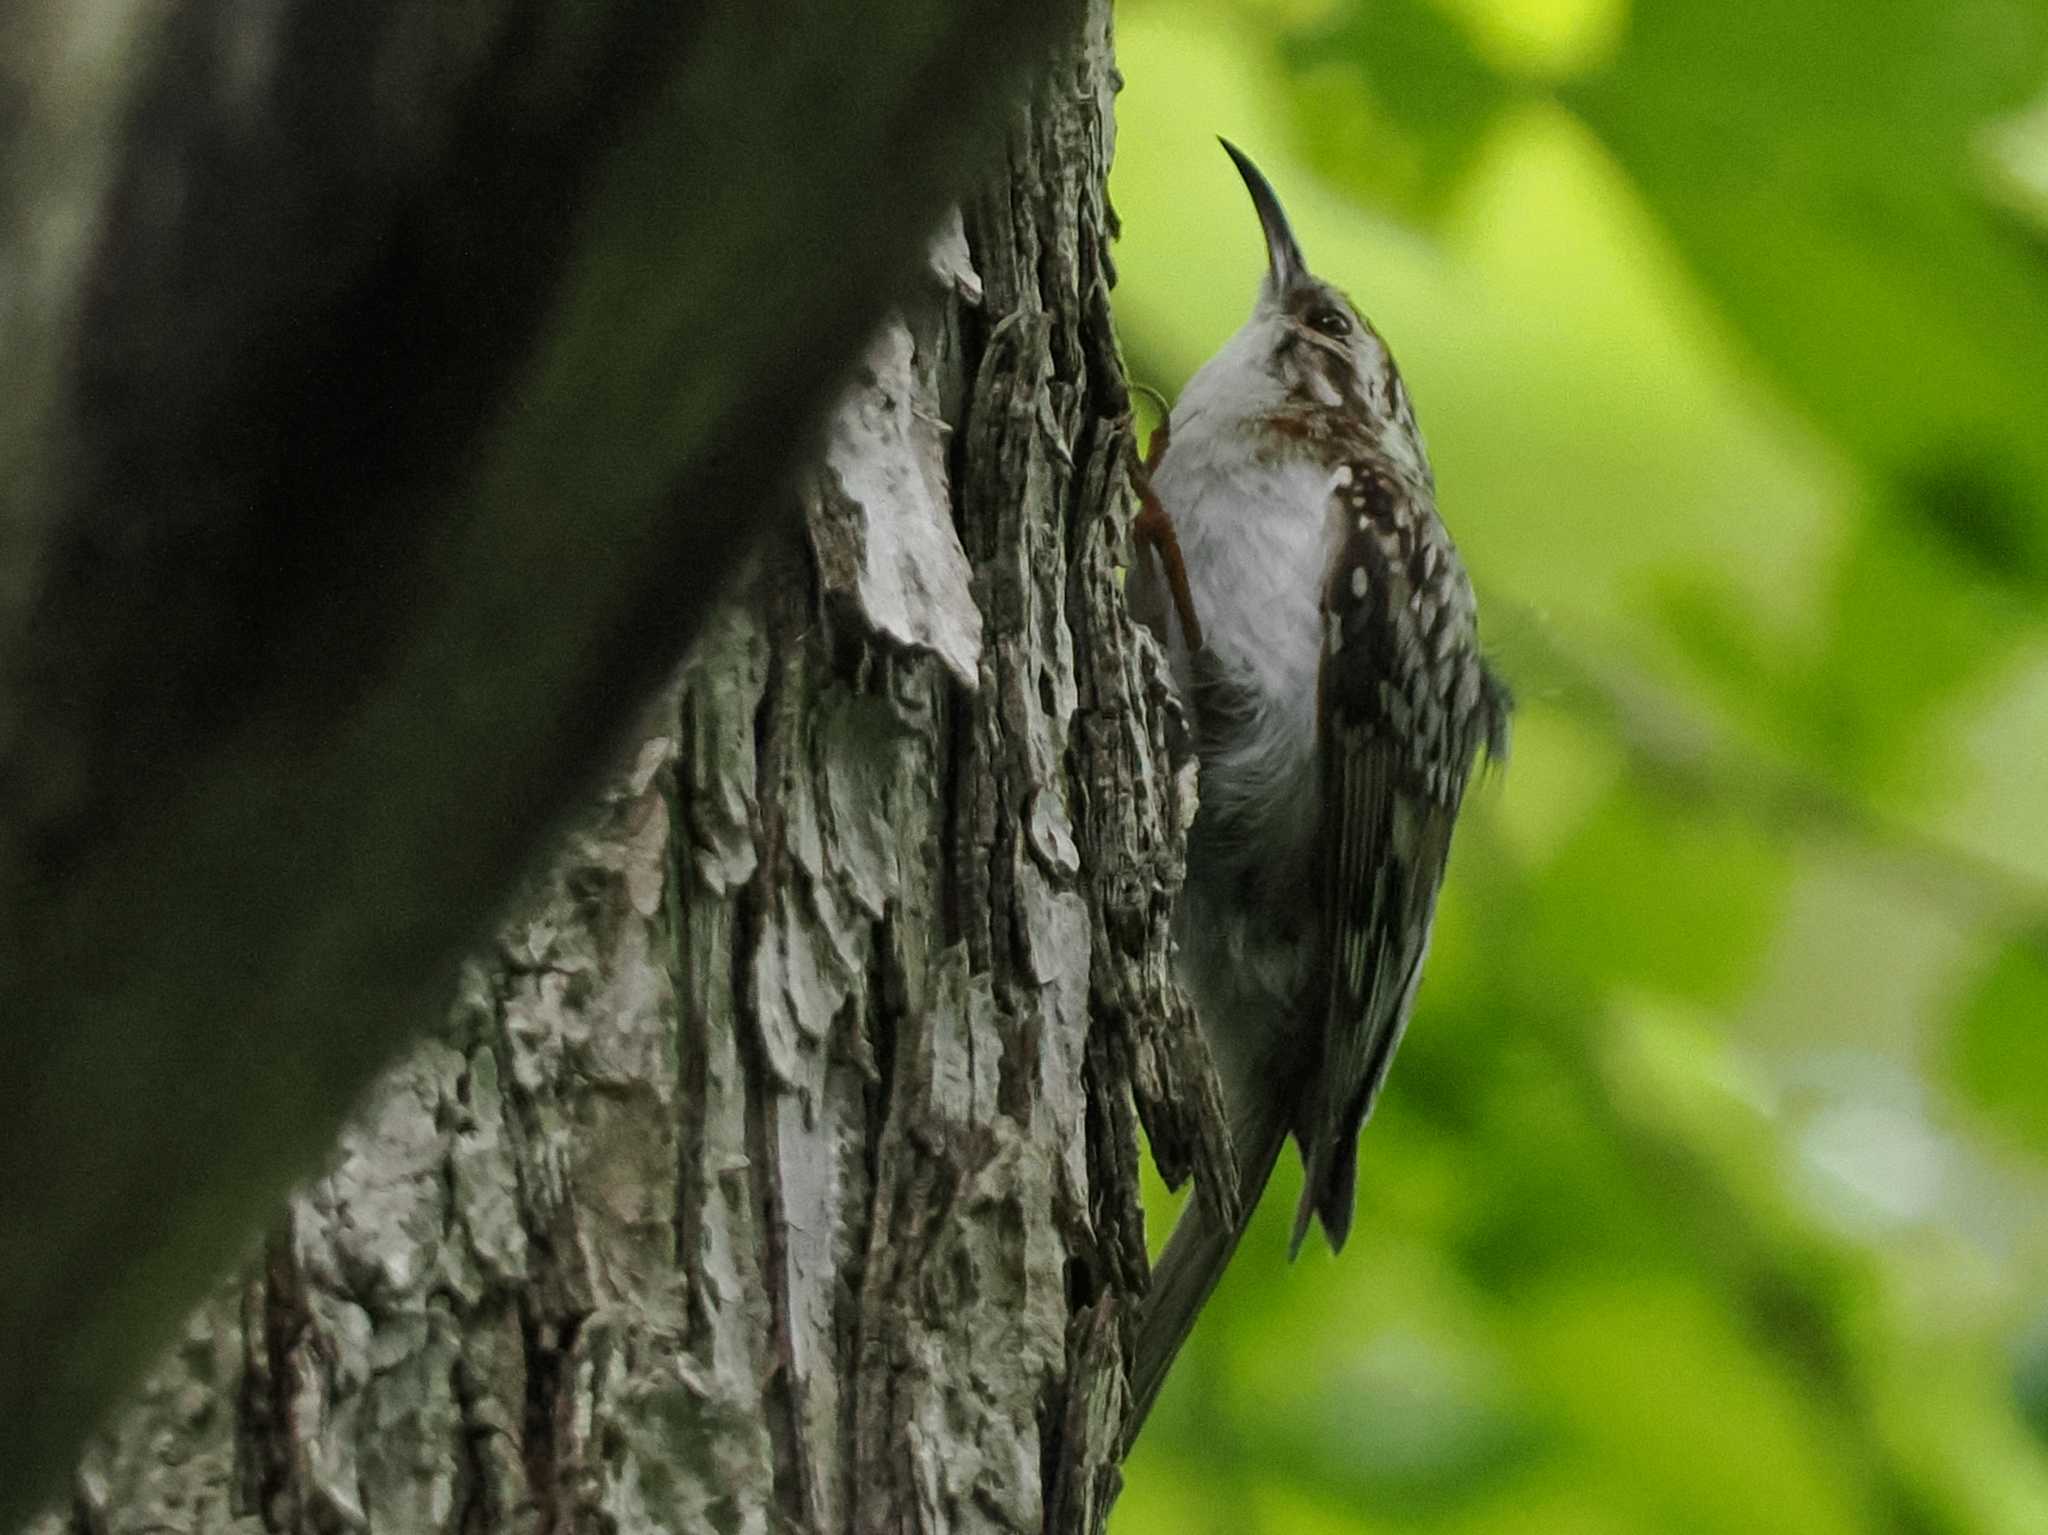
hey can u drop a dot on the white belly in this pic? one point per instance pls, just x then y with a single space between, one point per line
1255 537
1256 540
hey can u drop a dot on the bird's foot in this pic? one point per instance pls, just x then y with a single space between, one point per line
1153 529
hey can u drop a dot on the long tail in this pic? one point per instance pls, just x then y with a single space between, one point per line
1195 1257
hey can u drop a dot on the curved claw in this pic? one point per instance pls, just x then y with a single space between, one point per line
1152 527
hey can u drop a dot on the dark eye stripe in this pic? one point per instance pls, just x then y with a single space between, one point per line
1331 322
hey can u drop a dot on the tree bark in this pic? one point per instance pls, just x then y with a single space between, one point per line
390 390
778 1169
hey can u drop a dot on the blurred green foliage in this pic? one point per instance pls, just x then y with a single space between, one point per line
1711 1193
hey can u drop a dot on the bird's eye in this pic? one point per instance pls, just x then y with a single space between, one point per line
1331 322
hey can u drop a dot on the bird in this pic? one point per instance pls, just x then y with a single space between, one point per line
1323 639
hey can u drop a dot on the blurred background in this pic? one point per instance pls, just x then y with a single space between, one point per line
1711 1191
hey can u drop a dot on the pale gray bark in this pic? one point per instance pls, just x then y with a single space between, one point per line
390 388
778 1168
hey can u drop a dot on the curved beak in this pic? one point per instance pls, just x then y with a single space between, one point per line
1285 266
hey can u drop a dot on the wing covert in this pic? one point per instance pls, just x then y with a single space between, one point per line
1399 706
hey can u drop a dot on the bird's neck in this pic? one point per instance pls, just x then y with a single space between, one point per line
1311 432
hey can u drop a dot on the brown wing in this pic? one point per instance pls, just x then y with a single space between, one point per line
1404 704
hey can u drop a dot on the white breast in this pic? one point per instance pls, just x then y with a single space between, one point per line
1255 534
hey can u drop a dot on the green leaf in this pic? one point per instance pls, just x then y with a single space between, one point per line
1910 631
1998 1052
1656 893
2030 1377
1906 630
1392 102
1816 161
1710 1433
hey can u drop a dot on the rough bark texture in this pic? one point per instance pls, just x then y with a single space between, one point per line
391 387
779 1169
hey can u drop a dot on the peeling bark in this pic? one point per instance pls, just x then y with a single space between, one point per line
778 1170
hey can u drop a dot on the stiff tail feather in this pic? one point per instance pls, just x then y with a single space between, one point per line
1195 1257
1328 1191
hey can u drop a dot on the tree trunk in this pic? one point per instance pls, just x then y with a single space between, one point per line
392 388
778 1170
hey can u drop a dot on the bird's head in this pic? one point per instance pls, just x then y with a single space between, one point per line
1306 361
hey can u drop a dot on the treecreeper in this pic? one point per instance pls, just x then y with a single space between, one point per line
1324 641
